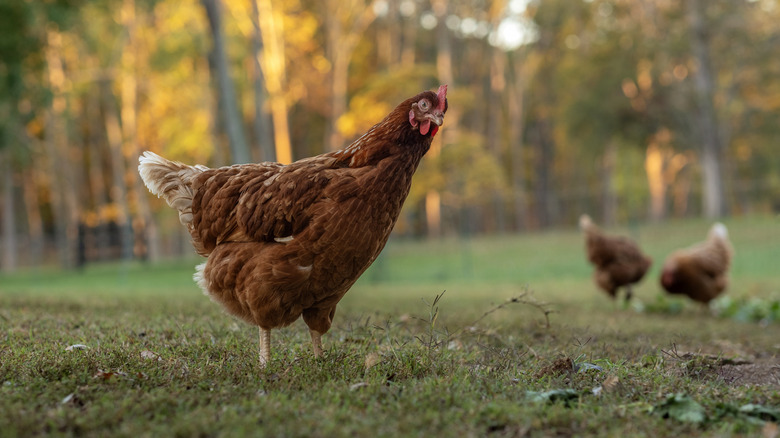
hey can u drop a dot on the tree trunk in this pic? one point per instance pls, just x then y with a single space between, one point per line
341 45
271 25
389 37
143 228
444 70
609 203
34 221
98 186
118 192
409 45
494 119
64 184
516 108
262 124
227 94
706 120
543 189
654 168
8 237
338 77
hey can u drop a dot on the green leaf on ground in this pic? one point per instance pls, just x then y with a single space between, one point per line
680 407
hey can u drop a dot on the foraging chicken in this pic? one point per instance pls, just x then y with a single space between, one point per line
618 260
700 271
285 241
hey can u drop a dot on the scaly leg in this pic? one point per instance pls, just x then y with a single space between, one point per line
316 342
265 346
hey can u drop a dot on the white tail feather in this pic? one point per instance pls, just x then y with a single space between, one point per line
171 181
585 222
719 230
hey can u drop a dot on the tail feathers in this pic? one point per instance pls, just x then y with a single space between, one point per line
171 181
585 222
720 231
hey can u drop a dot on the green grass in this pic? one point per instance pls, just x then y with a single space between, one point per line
163 360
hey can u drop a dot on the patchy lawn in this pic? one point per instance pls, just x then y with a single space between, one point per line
137 350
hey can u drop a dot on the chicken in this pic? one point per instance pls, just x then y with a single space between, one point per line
285 241
618 260
700 271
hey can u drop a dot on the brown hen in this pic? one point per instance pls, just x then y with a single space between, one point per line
700 271
284 241
617 260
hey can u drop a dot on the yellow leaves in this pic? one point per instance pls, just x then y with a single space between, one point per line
364 113
110 212
465 172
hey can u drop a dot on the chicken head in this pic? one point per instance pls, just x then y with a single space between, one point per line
425 112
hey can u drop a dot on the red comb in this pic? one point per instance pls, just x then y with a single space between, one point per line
442 95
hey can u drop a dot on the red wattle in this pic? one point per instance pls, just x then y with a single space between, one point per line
425 126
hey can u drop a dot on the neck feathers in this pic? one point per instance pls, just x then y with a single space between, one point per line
393 136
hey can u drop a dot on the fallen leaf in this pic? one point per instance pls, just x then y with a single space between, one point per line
372 359
584 366
358 386
610 383
76 347
73 400
105 375
680 407
552 396
146 354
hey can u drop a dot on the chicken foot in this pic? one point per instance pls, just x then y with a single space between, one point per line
265 346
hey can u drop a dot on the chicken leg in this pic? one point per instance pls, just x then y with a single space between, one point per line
318 320
316 342
265 346
629 294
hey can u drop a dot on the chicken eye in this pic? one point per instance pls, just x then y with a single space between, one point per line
424 105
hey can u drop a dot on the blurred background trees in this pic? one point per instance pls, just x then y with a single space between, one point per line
627 110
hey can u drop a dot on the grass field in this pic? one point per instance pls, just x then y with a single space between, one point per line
151 356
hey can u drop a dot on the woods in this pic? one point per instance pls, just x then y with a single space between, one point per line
626 110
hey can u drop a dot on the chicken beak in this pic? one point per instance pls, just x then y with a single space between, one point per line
436 117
